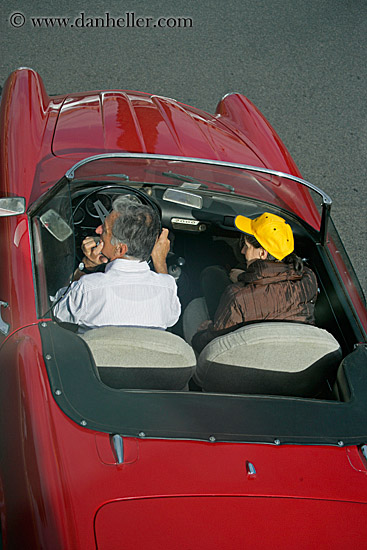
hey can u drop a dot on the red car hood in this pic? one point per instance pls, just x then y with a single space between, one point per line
137 122
84 124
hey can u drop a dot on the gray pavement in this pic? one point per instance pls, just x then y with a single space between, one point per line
303 64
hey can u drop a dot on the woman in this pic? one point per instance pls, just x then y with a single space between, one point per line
275 285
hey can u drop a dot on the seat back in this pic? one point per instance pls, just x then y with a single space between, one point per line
273 358
141 358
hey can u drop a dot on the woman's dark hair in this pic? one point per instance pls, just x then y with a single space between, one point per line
296 262
292 258
137 226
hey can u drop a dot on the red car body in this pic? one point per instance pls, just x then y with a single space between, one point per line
60 484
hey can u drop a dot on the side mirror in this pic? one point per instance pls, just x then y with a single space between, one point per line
11 206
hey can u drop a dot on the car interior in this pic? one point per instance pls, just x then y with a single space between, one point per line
269 358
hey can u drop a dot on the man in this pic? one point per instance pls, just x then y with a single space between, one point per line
128 292
275 286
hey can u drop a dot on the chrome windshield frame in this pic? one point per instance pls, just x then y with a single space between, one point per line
326 200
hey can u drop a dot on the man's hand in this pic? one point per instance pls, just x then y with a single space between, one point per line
93 256
160 251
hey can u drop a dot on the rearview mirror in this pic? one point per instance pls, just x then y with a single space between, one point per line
56 225
183 197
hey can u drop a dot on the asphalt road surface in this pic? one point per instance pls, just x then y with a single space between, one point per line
302 63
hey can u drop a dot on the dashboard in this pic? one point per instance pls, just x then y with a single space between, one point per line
215 216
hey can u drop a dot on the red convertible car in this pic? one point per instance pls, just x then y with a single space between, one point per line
122 450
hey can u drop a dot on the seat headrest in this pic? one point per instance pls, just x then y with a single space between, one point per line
138 347
287 347
269 357
141 358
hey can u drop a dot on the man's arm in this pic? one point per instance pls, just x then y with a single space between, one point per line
160 251
68 307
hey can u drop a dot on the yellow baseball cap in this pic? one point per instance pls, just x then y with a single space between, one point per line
271 231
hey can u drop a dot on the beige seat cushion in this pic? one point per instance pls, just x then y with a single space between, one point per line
141 357
270 357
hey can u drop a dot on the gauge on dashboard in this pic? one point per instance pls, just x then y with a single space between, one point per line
79 216
92 203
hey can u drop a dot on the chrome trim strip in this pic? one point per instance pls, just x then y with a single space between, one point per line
326 200
70 173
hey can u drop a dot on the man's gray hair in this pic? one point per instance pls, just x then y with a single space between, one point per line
137 226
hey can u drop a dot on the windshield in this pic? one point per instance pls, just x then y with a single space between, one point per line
281 190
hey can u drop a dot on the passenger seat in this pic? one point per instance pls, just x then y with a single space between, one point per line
270 358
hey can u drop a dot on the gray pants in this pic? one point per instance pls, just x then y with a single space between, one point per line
214 279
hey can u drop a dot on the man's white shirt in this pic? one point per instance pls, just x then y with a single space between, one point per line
128 293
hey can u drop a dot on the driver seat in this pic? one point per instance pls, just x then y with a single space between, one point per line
141 358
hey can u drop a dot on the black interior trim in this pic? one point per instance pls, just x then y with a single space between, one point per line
196 416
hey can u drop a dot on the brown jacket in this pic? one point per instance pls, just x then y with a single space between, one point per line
267 291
